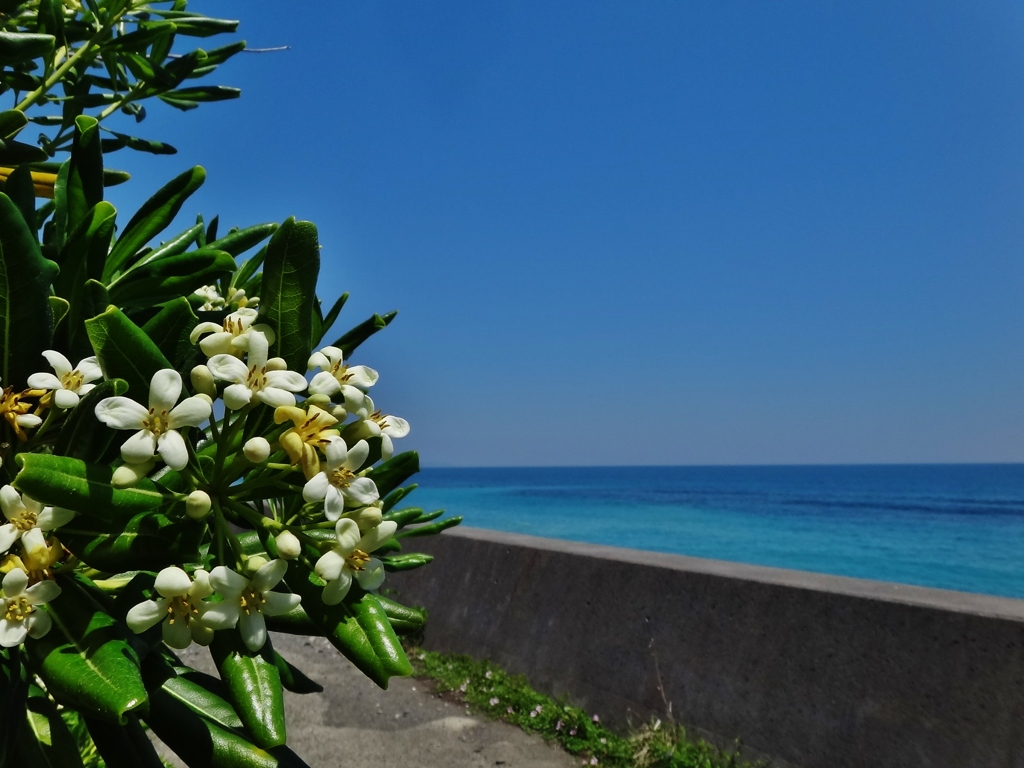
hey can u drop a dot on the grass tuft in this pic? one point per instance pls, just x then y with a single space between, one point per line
493 692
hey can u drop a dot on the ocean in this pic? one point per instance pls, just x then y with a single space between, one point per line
958 526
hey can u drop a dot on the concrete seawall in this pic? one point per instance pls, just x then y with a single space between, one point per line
821 671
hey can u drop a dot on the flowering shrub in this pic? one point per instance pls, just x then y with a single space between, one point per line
184 481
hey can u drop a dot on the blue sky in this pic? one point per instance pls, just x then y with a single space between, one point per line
658 233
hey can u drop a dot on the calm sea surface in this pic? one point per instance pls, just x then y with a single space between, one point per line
951 526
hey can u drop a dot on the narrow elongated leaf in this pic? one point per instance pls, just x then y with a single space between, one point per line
85 659
289 284
239 241
12 121
152 219
429 530
358 628
125 351
83 436
21 47
391 499
45 741
26 321
254 683
147 540
85 174
295 622
404 619
22 191
174 246
348 342
293 679
332 314
122 140
170 277
74 484
406 562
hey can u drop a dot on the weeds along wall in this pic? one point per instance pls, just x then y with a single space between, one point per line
819 671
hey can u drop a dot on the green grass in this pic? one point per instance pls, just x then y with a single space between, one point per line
493 692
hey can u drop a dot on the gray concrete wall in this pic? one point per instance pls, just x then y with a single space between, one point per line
820 671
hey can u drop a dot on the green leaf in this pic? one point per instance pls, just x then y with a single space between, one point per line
22 191
395 471
22 47
125 746
16 152
332 314
205 93
86 488
358 628
12 121
152 219
295 622
348 342
406 562
85 659
289 289
170 277
26 321
429 530
83 436
85 174
254 684
239 241
122 140
404 620
125 351
148 540
169 329
391 499
45 741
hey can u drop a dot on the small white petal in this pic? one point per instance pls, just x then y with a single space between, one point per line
172 582
222 615
372 575
28 420
201 633
44 381
164 389
348 535
318 360
275 397
177 635
357 456
201 587
173 449
11 503
279 602
12 633
289 380
362 376
228 368
237 396
387 448
227 582
38 624
65 399
57 361
217 344
14 582
253 629
42 592
190 412
8 535
53 517
330 565
397 426
334 503
316 487
139 448
377 536
336 590
121 413
267 577
144 615
324 384
90 370
362 491
336 452
202 328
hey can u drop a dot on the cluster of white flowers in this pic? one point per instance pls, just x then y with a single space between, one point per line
213 301
28 581
326 438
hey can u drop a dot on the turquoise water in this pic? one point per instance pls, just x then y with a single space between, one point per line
951 526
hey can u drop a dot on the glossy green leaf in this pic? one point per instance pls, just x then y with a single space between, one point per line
203 694
59 307
404 620
122 140
239 241
295 622
358 628
289 289
254 683
329 319
12 121
404 517
169 329
152 219
406 562
125 351
147 540
17 152
395 471
393 498
18 47
429 530
85 174
177 244
45 740
170 277
348 342
22 191
26 321
74 484
206 93
83 436
123 746
85 659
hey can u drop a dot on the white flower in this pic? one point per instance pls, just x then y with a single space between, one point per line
24 513
159 423
351 381
338 483
255 379
21 616
246 600
69 384
180 605
231 337
351 558
377 424
211 298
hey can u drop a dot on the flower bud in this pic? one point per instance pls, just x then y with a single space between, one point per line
339 412
367 518
320 401
277 364
128 475
197 505
256 449
254 563
202 381
288 545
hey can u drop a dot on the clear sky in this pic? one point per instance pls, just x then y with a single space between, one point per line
648 233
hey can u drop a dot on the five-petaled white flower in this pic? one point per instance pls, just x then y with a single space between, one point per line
231 337
335 376
253 379
71 383
180 605
21 615
159 423
351 558
24 513
246 600
338 482
376 424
